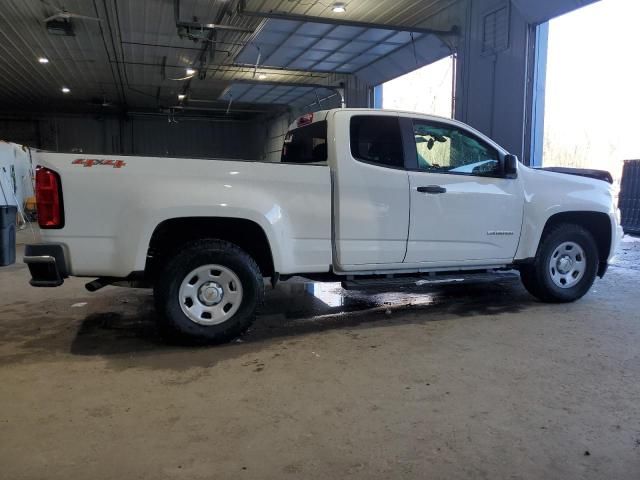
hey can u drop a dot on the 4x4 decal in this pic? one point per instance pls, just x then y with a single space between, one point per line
90 162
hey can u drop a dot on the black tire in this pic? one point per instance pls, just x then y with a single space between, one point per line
174 325
537 277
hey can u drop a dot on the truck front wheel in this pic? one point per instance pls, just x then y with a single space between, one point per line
208 292
565 266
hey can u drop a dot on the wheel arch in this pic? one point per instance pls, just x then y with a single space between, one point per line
169 235
596 223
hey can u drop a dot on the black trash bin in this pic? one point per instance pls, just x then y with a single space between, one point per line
7 234
629 200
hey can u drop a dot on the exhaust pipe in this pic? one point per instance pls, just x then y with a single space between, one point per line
98 283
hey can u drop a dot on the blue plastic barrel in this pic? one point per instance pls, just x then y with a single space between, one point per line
7 234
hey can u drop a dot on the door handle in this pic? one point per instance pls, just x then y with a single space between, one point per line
432 189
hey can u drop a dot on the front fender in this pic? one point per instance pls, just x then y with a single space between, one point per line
548 193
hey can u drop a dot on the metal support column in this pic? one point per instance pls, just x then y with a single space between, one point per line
539 86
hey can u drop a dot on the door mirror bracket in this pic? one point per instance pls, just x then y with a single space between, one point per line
510 166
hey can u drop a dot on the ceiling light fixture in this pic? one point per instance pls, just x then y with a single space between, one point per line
65 90
182 96
43 60
191 71
339 7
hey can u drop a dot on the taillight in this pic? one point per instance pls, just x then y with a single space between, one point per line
305 119
49 199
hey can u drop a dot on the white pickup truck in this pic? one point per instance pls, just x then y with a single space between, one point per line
358 194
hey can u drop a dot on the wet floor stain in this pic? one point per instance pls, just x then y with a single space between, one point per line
296 309
120 323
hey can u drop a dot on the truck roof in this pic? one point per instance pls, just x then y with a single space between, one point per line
321 115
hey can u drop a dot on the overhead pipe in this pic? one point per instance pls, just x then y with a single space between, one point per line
255 70
213 26
225 109
283 84
176 47
194 117
204 26
229 106
235 69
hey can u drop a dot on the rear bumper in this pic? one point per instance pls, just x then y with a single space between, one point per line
47 264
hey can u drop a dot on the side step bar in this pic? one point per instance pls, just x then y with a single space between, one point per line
426 280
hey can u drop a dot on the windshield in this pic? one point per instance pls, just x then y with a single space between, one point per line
306 144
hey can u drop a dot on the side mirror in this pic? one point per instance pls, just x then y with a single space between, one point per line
510 166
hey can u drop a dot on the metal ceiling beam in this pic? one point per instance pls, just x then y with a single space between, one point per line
238 69
285 84
453 31
193 117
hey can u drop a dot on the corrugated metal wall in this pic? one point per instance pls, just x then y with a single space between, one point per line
494 69
138 135
629 200
194 138
23 132
154 135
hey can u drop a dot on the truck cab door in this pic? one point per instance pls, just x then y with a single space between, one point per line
464 210
370 191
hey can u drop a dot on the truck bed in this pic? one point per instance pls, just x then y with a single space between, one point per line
112 205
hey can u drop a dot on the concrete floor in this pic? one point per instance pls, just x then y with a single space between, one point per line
451 382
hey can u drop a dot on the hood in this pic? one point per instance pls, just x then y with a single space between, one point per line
563 188
581 172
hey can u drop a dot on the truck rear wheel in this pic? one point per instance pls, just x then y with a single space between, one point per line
565 266
208 292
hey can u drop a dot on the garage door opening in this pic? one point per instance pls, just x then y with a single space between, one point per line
426 90
592 99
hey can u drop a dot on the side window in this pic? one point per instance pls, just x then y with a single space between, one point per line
376 139
446 149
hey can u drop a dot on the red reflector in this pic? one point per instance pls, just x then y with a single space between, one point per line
305 119
48 198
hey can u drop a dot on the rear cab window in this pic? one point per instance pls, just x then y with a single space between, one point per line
306 145
377 139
